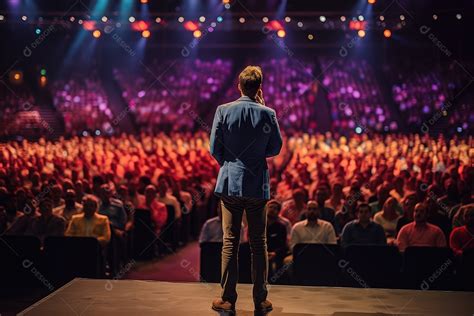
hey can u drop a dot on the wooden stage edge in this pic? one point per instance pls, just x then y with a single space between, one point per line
137 297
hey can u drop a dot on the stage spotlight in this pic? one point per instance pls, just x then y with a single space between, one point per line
213 24
2 18
197 34
202 19
281 33
143 1
43 81
24 18
146 34
131 19
322 18
265 19
310 37
158 20
287 19
300 24
358 130
38 31
343 18
387 33
72 19
227 6
361 33
225 1
435 17
402 17
458 16
371 1
382 18
43 72
242 20
180 19
97 132
96 33
80 21
104 19
361 18
219 19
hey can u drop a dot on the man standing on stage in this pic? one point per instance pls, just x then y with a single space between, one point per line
244 133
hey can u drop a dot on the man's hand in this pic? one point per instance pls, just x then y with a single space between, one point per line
259 97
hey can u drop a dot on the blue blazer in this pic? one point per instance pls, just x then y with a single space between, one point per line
244 133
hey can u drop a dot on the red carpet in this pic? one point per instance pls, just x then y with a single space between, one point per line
182 266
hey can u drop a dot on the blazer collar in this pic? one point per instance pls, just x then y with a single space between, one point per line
245 98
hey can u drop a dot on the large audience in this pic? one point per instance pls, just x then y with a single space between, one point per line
400 190
427 91
18 110
290 88
355 96
83 103
167 95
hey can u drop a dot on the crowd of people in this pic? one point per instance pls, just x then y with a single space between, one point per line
167 94
355 96
18 110
395 190
290 88
381 189
83 103
423 91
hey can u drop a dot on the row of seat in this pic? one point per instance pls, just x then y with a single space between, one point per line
424 268
25 263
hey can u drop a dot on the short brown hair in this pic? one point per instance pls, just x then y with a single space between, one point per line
250 80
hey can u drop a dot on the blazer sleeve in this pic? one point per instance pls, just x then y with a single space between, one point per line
216 139
275 142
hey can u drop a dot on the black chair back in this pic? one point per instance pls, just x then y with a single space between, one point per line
316 264
66 258
371 266
429 268
20 262
143 236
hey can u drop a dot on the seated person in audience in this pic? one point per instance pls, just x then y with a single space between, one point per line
70 207
277 240
56 195
363 231
462 238
420 232
437 215
408 206
347 212
159 213
388 218
10 223
277 205
47 223
383 193
167 198
312 230
325 213
211 231
295 208
336 198
89 223
113 209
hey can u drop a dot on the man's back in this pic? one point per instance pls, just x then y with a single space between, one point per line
244 134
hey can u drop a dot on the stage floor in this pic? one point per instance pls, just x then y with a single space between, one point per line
134 297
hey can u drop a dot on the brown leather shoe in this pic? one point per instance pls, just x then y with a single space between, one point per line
264 307
222 306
